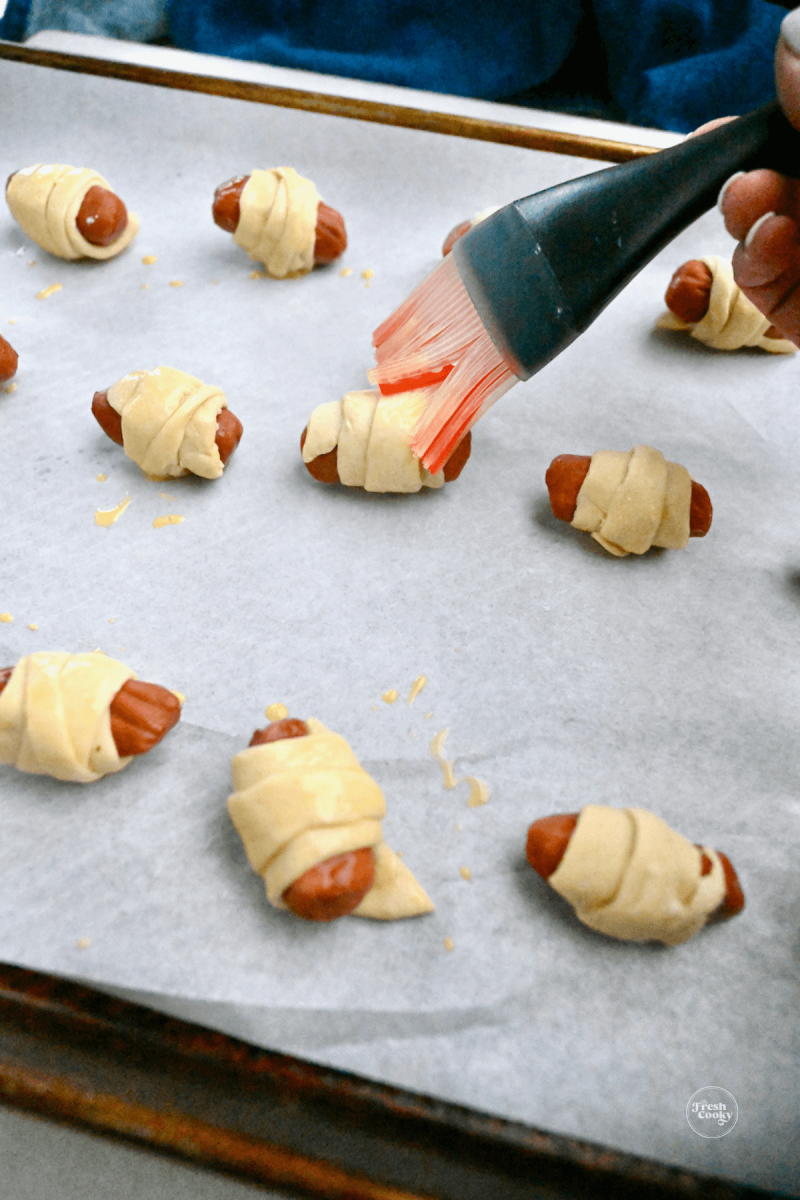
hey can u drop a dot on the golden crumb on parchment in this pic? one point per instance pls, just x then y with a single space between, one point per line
109 516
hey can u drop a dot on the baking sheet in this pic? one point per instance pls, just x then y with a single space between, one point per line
562 676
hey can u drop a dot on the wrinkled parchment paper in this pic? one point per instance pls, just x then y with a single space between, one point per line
561 675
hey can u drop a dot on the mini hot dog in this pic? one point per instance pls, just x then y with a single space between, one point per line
337 885
314 235
169 423
70 211
565 477
325 469
60 699
629 502
629 875
8 361
704 300
363 440
310 820
102 216
227 438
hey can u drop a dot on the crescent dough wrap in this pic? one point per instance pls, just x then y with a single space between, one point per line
299 801
632 501
627 874
169 422
732 321
278 221
372 434
54 715
45 200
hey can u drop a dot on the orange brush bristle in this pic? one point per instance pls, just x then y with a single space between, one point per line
437 336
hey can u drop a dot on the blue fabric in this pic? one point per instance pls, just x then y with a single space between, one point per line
12 23
669 63
464 47
688 61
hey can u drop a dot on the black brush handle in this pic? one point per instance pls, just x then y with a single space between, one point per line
540 270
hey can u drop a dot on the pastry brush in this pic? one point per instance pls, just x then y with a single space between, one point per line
524 283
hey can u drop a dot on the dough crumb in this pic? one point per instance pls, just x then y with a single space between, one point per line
345 271
149 259
10 387
169 519
176 283
478 791
180 696
32 263
416 688
33 626
465 872
102 477
437 747
108 516
84 943
257 275
428 716
368 274
457 829
49 291
12 320
6 618
276 712
166 496
448 944
390 697
145 286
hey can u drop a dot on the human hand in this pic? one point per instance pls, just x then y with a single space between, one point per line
762 210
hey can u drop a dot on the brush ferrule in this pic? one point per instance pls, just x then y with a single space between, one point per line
514 290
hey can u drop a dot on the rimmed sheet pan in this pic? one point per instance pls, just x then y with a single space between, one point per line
561 675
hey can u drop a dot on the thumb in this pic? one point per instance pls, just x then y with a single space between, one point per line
787 66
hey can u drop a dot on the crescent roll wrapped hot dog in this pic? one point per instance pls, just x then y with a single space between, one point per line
704 300
629 875
278 217
70 211
310 819
169 423
363 440
78 717
629 501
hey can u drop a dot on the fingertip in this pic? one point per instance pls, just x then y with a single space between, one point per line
754 228
787 67
790 31
724 188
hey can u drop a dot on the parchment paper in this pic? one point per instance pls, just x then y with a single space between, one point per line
562 675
